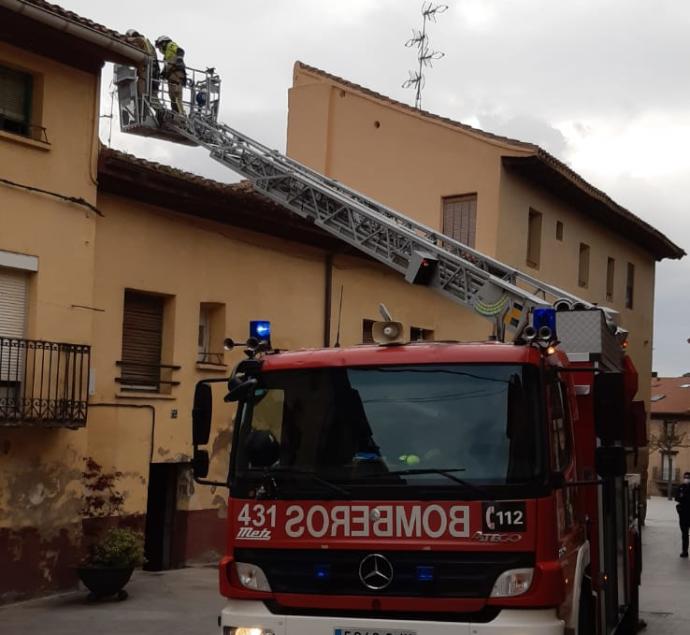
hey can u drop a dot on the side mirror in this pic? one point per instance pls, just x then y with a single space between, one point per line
610 461
202 413
610 407
239 389
263 450
200 463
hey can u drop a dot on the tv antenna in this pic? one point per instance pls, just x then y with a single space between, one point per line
425 54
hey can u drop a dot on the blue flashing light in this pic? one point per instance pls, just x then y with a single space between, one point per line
544 316
322 571
260 329
425 574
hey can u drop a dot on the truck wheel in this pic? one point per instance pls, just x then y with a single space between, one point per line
585 619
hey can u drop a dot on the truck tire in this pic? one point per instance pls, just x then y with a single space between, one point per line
586 624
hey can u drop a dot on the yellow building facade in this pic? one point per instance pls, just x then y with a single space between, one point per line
120 279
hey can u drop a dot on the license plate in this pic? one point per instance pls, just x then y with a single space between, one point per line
358 630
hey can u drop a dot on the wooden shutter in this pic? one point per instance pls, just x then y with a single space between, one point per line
15 95
460 218
141 341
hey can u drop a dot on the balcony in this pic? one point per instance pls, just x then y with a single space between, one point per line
43 384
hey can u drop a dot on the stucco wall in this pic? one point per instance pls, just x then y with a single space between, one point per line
406 161
66 105
560 259
40 489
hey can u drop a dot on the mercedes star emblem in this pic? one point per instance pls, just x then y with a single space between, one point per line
375 572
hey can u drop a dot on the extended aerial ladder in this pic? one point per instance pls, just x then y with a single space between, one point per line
496 291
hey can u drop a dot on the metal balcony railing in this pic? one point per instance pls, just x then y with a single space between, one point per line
24 129
43 383
143 377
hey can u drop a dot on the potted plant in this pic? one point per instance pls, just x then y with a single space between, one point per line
112 552
110 562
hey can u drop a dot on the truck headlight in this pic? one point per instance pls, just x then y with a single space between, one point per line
253 578
243 630
512 582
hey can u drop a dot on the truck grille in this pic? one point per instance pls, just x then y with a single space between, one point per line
444 574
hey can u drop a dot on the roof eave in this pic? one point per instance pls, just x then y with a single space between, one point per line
569 184
114 49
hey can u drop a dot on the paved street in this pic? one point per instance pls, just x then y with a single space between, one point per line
180 602
186 601
665 597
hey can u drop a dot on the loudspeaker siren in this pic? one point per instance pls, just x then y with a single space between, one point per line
388 332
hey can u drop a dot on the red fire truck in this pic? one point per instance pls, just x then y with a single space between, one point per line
418 488
430 488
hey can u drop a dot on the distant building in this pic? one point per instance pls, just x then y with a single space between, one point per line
669 431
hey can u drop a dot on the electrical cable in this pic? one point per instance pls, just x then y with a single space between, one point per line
78 200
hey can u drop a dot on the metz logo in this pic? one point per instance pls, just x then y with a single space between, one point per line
247 533
482 537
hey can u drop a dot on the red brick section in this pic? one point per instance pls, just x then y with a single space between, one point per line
198 536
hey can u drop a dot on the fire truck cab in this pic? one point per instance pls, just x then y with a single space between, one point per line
429 488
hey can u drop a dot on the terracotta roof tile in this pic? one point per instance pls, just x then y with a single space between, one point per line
670 396
70 15
188 177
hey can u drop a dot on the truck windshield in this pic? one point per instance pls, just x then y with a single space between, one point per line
392 427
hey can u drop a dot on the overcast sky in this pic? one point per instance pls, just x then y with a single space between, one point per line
602 85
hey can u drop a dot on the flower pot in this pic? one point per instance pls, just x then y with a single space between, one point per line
105 581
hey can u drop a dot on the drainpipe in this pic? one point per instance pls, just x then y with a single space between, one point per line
83 32
328 301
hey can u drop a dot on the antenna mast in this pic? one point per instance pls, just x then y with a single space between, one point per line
425 55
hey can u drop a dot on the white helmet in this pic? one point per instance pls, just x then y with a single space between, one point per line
132 33
163 39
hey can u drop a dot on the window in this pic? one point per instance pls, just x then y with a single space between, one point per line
367 335
667 467
418 334
348 424
610 277
583 267
559 230
142 338
211 333
460 218
15 101
630 286
534 239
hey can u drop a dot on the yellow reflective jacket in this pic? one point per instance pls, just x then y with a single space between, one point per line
173 56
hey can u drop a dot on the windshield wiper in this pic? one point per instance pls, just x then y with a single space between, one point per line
432 470
281 471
